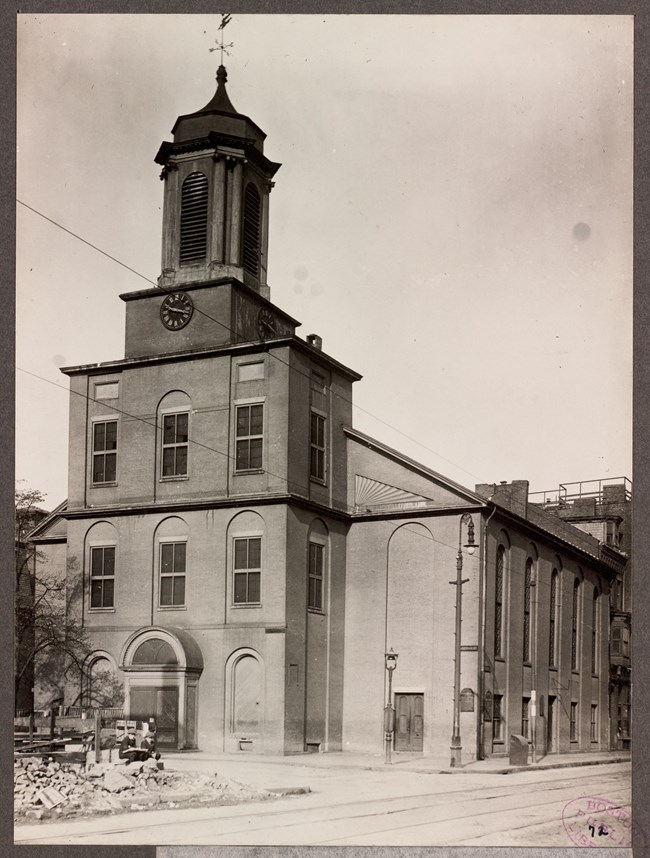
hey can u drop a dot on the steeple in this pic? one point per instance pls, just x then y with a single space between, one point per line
220 101
216 200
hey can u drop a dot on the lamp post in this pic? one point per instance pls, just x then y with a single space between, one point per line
470 545
389 712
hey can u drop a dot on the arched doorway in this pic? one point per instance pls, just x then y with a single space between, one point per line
244 701
162 667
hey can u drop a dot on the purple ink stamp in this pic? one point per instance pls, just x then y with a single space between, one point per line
594 821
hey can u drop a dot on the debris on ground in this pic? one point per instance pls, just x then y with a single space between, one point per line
45 789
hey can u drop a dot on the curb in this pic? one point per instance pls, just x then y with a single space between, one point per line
534 767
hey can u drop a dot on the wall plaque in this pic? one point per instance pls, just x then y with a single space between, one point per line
467 700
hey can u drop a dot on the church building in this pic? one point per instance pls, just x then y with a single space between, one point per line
243 559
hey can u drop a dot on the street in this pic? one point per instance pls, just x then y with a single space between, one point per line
353 806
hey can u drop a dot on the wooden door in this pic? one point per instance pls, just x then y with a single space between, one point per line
160 703
550 726
409 722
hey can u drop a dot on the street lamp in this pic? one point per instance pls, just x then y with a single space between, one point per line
389 713
470 545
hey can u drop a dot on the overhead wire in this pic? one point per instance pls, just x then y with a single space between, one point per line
339 504
241 337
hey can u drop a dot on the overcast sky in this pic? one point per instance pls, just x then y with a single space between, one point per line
453 216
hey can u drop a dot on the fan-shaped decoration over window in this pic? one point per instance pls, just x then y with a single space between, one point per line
251 249
371 494
155 651
194 218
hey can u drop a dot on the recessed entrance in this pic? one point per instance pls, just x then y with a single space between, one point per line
162 667
409 725
161 704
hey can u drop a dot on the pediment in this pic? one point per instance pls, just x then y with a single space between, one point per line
374 496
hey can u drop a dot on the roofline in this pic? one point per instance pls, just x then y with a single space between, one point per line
56 513
412 464
475 498
214 351
574 548
288 498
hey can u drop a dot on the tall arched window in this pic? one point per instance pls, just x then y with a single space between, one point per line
251 238
527 588
595 632
552 635
574 625
498 602
194 218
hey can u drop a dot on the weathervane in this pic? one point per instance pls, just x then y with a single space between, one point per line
225 20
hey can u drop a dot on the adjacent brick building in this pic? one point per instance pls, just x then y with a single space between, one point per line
603 508
246 557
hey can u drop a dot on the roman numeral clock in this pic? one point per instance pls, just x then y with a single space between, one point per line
176 310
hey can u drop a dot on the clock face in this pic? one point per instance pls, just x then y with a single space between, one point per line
266 324
176 310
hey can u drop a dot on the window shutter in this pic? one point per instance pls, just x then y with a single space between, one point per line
194 218
251 247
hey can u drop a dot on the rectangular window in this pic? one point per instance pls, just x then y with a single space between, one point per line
172 573
573 723
317 447
625 642
552 630
574 626
250 426
498 603
527 586
525 708
105 451
315 599
595 637
106 390
250 371
594 723
624 720
102 577
247 570
616 640
497 718
175 441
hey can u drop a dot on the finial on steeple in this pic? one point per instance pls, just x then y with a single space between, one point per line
225 20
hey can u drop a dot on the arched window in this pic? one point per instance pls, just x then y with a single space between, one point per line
595 631
251 242
498 602
552 636
154 651
574 625
194 218
528 574
103 686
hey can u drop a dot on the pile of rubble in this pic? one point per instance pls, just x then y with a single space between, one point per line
47 789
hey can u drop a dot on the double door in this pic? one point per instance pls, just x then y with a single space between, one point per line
161 704
409 722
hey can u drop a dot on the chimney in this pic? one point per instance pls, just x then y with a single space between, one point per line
315 341
514 496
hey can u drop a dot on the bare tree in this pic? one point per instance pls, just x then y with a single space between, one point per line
50 644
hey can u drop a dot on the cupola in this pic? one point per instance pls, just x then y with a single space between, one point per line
216 199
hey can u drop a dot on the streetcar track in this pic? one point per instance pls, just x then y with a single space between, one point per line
432 800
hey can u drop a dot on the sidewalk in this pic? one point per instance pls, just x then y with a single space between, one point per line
283 773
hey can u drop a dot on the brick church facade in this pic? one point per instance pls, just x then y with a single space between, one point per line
242 558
